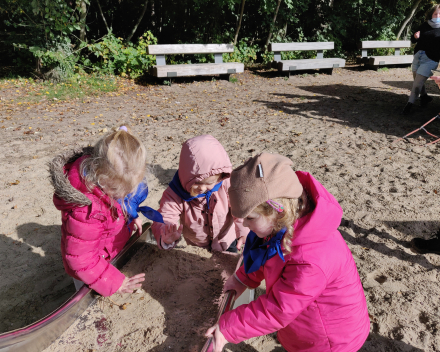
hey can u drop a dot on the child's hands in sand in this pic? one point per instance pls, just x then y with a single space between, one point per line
131 283
138 223
218 341
417 35
170 233
232 284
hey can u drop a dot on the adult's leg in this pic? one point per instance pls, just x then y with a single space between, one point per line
418 86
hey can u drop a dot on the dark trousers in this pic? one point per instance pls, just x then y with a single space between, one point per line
233 247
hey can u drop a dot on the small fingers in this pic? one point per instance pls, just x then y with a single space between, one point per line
210 331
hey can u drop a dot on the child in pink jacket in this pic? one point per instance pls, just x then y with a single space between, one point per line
196 203
314 297
93 192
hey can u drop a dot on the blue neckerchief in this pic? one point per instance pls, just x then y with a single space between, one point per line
132 202
176 186
255 255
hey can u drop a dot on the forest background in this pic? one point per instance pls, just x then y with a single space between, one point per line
57 39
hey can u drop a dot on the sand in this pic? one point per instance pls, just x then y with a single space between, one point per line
178 302
339 127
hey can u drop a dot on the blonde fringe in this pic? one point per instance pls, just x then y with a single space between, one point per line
293 210
117 164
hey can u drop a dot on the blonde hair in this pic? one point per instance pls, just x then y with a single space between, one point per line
293 210
117 164
430 12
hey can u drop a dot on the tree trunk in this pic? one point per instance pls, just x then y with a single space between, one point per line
138 22
411 14
103 17
273 24
82 19
239 22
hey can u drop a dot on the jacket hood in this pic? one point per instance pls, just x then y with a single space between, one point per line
202 157
63 188
324 219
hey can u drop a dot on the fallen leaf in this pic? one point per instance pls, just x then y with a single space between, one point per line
14 183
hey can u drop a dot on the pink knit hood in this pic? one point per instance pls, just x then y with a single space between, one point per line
202 157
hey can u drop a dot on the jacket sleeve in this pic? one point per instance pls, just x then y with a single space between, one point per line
297 287
83 256
252 280
171 208
423 28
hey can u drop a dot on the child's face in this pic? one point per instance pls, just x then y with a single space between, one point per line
436 14
260 224
204 185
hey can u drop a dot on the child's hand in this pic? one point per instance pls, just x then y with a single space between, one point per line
131 283
232 284
218 340
417 35
170 233
138 223
240 242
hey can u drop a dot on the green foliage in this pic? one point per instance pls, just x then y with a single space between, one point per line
233 79
243 52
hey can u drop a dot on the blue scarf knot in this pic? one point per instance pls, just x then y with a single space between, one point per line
132 202
255 255
176 186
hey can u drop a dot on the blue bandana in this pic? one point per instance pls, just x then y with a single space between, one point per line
255 255
176 186
132 202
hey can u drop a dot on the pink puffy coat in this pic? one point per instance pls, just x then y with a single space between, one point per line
314 299
202 157
93 228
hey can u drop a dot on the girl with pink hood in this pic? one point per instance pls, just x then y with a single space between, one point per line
196 203
314 297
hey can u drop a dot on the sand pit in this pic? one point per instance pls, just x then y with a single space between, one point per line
177 303
339 127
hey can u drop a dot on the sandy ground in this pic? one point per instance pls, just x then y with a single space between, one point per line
338 127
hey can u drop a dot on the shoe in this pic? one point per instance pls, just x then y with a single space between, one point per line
407 109
421 246
425 100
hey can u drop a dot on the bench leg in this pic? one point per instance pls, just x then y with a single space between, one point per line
288 74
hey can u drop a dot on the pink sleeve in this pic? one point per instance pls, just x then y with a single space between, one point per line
171 208
297 287
252 280
82 254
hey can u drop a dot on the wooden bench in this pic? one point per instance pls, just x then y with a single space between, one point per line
395 59
304 64
162 70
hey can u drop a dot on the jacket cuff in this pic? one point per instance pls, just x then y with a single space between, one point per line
109 282
223 326
241 276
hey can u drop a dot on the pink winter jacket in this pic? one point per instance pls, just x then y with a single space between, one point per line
216 229
314 299
93 228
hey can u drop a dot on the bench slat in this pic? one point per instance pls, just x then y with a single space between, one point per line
166 49
382 44
197 69
389 60
307 64
302 46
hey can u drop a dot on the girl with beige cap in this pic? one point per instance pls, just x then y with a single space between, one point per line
314 297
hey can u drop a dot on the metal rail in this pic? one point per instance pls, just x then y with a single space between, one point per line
225 306
39 335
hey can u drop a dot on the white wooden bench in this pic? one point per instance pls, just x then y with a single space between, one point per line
304 64
395 59
162 70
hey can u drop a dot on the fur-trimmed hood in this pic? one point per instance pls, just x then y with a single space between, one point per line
61 184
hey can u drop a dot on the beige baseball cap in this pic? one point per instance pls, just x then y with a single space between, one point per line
262 177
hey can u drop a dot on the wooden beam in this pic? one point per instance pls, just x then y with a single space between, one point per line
301 46
197 69
166 49
307 64
390 60
382 44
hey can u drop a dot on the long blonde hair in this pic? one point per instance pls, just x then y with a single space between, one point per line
293 210
117 164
